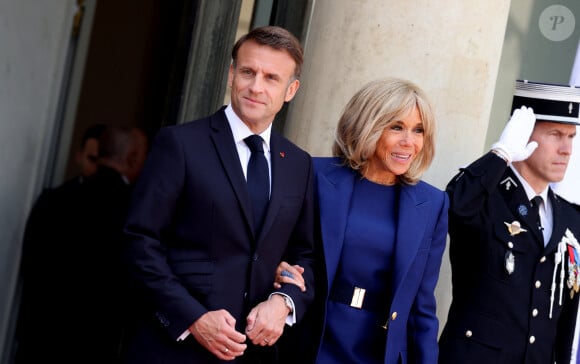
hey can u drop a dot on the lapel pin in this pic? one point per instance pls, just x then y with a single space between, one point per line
515 228
282 154
523 210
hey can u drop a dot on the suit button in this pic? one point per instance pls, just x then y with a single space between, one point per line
162 319
255 258
394 316
538 284
532 339
542 259
510 245
468 333
535 312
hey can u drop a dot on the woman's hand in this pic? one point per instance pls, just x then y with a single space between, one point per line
286 273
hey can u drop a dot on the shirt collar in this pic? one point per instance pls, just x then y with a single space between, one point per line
530 193
241 130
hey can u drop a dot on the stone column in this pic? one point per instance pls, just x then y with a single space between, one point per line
450 48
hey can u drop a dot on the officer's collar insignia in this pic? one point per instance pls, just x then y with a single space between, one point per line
514 227
508 183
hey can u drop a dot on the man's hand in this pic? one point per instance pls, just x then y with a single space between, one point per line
514 143
286 273
265 323
215 331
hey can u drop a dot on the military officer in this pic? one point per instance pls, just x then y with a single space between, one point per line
514 262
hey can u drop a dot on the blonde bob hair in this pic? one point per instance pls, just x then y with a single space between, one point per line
373 109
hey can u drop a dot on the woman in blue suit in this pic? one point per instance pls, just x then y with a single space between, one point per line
383 233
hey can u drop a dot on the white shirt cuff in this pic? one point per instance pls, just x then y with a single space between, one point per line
291 318
184 335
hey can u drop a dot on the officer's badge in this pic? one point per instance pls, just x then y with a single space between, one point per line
510 262
515 227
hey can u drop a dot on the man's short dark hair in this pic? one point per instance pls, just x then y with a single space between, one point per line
93 132
277 38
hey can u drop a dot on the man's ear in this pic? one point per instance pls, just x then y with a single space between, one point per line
291 90
231 75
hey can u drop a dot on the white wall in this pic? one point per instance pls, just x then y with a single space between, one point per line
33 40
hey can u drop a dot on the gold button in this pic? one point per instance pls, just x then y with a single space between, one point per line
532 339
394 315
535 312
468 333
538 284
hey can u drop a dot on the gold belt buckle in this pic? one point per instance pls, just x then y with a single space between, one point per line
358 296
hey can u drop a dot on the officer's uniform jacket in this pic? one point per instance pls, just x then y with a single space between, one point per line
502 280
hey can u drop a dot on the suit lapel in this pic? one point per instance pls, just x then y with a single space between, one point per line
278 173
223 141
335 191
410 231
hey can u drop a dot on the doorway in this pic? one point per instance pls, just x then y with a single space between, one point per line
133 68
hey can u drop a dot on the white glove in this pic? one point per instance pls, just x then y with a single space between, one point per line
513 142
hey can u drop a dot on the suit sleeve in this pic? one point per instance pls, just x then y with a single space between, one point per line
301 250
469 189
153 203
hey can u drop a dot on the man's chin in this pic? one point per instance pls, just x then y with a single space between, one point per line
558 177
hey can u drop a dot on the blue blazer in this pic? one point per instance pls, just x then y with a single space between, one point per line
420 242
191 243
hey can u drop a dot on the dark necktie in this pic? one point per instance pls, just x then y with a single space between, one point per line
536 201
258 180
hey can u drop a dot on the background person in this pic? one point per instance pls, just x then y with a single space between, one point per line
383 231
76 232
508 305
106 292
47 219
194 242
86 155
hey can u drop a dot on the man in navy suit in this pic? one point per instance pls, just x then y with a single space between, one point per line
513 241
205 271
